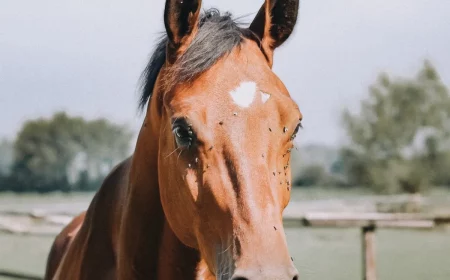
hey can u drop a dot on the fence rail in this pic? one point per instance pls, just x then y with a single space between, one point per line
42 223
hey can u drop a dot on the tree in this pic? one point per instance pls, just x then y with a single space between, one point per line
312 175
105 145
387 133
6 157
436 158
43 150
54 154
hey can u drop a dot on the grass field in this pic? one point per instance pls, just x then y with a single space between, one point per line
318 253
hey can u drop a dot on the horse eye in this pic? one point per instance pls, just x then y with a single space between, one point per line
184 136
297 128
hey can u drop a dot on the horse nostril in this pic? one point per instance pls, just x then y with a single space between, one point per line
295 277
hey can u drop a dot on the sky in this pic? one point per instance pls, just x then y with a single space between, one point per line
86 57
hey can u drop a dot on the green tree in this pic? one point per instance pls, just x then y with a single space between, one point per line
54 154
312 175
436 158
43 151
386 134
6 157
105 145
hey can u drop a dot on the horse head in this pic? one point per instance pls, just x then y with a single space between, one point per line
224 125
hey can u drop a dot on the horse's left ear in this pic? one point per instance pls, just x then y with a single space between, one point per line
274 23
181 21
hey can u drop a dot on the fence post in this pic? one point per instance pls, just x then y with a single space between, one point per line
368 252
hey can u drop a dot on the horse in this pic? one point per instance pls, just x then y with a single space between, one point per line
203 194
61 243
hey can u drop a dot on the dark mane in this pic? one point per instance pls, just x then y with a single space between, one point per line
218 34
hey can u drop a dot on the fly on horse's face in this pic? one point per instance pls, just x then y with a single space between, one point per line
226 127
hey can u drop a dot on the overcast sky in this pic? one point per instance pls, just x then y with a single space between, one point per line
86 56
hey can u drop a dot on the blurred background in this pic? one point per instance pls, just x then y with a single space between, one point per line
371 78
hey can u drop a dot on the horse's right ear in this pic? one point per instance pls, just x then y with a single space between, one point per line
181 21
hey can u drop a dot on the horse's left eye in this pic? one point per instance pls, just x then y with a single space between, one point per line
297 128
184 136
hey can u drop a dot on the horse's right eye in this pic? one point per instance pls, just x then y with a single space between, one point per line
184 135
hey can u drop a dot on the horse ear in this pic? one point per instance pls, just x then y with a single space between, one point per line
275 22
181 21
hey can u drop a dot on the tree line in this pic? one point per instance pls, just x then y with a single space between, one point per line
62 153
398 141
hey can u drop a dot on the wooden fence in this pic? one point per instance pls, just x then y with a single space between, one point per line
38 223
368 223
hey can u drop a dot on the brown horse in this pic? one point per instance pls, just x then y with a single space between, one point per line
202 196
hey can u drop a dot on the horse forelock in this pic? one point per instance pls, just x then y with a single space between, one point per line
218 35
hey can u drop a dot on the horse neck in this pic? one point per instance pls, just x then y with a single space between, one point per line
176 261
148 248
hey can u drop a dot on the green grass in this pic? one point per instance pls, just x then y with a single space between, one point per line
24 254
318 253
54 201
401 255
